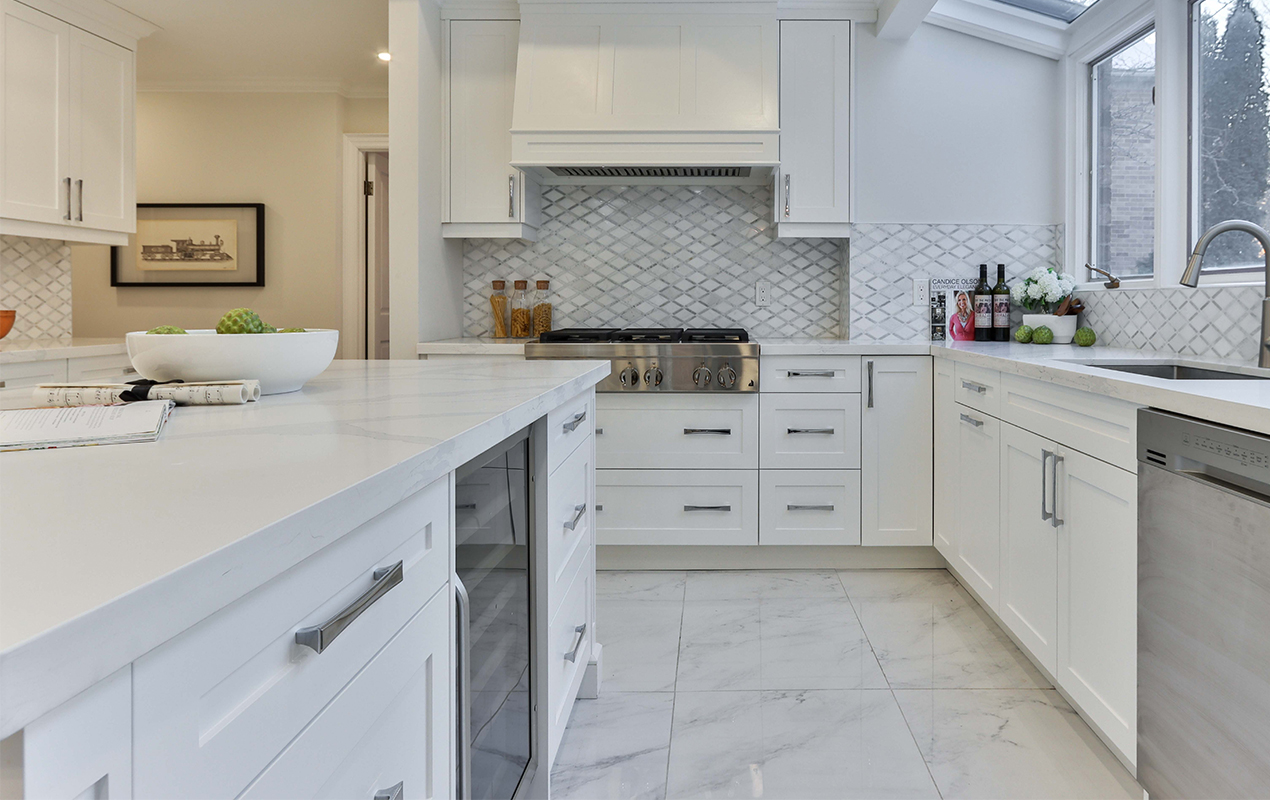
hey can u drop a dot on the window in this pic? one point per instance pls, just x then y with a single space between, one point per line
1230 126
1122 202
1066 10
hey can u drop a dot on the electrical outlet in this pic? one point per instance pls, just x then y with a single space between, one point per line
921 292
763 293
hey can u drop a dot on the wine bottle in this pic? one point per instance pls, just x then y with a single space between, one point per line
983 307
1001 307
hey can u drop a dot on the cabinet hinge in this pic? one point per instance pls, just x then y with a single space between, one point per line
368 188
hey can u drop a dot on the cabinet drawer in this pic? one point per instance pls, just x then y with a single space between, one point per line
678 432
676 506
978 388
809 431
213 706
1099 426
809 374
116 369
17 380
388 726
569 426
568 651
803 506
570 523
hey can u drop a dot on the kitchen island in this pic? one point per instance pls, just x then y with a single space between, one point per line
107 553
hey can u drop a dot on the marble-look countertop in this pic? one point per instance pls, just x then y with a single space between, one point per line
107 552
13 351
484 346
472 346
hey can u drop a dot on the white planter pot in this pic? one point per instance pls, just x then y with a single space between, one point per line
1064 327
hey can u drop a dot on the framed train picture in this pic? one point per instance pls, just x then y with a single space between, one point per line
193 244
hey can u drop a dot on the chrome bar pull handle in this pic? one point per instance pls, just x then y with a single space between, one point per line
580 632
69 205
394 792
870 384
707 508
511 196
815 373
798 431
1045 514
1055 520
578 513
319 637
811 507
786 195
599 507
572 425
974 387
465 506
707 431
463 689
978 423
79 184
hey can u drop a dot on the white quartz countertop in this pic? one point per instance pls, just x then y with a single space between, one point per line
789 347
107 552
13 351
472 346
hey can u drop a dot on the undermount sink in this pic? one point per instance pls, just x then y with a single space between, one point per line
1179 371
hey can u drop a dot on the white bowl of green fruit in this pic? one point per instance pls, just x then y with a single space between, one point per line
242 347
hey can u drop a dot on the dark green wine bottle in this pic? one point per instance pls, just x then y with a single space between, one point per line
983 307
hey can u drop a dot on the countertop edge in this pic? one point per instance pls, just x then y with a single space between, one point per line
55 352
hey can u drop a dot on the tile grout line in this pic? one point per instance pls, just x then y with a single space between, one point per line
674 695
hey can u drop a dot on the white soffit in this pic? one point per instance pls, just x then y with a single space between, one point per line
1003 24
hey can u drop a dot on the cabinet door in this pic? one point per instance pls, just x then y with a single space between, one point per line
484 187
82 748
815 121
35 106
102 130
896 453
1098 593
978 503
946 430
1029 546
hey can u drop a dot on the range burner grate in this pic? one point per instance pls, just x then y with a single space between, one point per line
648 335
716 335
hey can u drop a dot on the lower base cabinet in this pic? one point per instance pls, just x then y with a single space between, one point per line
668 506
809 507
1029 542
976 498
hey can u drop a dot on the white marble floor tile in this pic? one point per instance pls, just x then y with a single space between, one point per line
641 643
897 584
641 585
728 585
616 746
808 744
1021 744
720 649
814 645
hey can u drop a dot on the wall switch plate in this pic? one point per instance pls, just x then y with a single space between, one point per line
921 292
763 293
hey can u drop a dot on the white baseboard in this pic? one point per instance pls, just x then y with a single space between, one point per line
590 688
647 557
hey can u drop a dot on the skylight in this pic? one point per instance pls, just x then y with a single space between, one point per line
1065 10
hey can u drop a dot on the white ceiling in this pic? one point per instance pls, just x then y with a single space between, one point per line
263 45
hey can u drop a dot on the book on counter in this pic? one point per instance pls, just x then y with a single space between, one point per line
48 428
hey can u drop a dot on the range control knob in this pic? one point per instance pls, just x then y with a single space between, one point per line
653 377
629 377
725 377
701 376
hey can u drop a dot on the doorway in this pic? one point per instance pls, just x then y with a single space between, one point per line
376 263
364 329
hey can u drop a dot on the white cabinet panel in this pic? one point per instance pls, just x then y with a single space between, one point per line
568 651
83 748
677 431
1029 546
569 426
570 522
1098 593
17 380
978 504
802 506
102 133
809 431
896 451
946 433
809 374
677 506
815 174
1099 426
116 369
978 388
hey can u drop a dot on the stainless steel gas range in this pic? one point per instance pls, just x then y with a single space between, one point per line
659 359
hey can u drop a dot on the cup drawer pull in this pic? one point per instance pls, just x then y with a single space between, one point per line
707 431
319 637
800 431
809 507
707 508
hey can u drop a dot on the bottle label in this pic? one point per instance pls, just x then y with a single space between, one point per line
983 311
1001 311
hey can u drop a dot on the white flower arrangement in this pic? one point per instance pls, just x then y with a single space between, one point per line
1042 291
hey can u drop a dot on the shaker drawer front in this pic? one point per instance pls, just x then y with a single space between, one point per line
17 380
387 726
809 374
568 651
570 522
1102 427
113 369
569 426
978 388
810 431
678 432
676 507
213 706
803 506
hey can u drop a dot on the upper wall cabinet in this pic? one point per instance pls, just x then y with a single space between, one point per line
67 130
486 197
813 186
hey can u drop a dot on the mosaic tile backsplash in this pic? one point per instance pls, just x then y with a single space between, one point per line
35 280
665 256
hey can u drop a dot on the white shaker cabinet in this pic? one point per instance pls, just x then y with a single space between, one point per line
946 431
1029 550
977 557
103 152
487 196
896 459
814 181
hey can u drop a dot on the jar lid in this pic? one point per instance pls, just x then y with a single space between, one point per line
500 285
522 284
543 284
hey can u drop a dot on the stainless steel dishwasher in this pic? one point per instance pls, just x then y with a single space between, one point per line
1203 609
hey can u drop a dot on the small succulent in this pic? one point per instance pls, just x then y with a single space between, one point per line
240 320
291 330
1042 335
166 329
1024 334
1085 337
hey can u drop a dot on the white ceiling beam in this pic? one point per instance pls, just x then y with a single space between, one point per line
898 19
1003 24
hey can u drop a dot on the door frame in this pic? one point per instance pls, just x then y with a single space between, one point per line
353 239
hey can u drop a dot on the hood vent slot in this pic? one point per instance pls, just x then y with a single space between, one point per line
651 172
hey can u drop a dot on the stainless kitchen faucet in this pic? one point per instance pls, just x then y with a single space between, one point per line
1191 276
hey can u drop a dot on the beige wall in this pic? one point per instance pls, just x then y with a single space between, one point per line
282 150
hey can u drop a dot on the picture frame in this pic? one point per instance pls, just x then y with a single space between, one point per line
193 244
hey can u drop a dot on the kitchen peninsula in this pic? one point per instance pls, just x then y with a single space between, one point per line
150 595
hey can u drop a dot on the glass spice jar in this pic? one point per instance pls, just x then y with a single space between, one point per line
542 308
498 305
522 324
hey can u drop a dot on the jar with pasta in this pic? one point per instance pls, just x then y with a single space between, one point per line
542 308
522 323
498 306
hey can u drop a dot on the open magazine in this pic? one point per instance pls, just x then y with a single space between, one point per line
48 428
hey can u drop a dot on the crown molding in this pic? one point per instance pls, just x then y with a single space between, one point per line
267 85
100 17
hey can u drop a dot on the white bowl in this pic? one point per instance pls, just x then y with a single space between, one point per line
282 362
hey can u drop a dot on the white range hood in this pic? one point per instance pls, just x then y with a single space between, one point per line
667 97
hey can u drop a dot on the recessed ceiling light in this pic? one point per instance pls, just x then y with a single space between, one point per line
385 56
